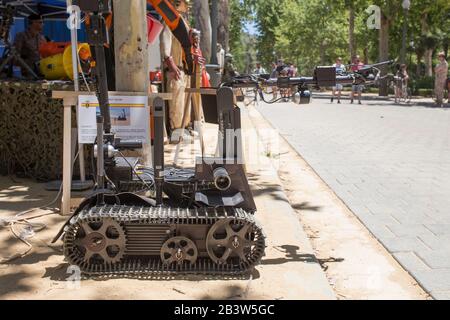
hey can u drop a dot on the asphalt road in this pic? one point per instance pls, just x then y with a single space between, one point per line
391 166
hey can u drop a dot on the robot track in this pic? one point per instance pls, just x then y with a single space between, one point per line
121 240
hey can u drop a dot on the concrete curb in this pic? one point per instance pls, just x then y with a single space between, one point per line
307 268
421 102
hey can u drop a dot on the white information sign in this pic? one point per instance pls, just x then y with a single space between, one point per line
130 118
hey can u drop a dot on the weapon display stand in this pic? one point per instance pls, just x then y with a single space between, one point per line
70 99
10 56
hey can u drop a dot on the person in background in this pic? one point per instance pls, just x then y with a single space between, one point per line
285 92
356 66
274 75
259 69
220 57
448 90
27 43
292 70
402 80
340 70
280 67
441 71
229 71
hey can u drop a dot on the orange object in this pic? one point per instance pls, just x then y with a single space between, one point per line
48 49
168 12
205 79
85 53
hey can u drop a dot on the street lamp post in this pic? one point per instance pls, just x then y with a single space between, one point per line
406 6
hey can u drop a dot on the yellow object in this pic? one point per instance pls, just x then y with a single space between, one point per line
59 66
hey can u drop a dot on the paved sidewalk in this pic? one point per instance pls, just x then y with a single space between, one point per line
415 101
391 166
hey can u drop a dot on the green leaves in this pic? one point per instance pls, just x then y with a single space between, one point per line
313 32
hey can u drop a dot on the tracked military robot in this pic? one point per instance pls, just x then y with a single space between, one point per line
198 221
194 221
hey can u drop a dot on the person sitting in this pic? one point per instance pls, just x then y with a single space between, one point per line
27 43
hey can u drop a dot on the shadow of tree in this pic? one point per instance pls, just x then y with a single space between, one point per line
34 257
12 283
272 190
306 206
31 194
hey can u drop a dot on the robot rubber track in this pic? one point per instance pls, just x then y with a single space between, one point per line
115 241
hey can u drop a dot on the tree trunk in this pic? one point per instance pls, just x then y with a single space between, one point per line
131 47
351 30
366 55
131 51
384 52
223 32
419 64
203 23
322 53
429 62
428 54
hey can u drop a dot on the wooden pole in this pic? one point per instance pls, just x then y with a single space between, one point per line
67 157
131 50
76 83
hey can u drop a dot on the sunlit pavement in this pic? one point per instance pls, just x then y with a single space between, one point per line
391 166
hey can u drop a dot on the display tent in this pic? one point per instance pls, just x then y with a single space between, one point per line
53 12
55 28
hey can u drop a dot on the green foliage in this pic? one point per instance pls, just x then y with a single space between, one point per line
315 32
243 45
423 83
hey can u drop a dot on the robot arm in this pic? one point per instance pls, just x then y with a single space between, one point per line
178 27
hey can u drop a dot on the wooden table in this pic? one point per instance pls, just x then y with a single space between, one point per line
70 99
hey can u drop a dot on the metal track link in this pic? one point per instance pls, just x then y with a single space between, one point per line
131 266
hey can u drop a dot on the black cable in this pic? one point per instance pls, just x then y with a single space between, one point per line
134 171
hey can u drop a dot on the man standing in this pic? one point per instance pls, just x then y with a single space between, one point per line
176 79
356 66
441 71
27 43
229 71
259 69
220 57
196 78
340 70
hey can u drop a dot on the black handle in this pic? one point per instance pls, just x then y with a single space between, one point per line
128 145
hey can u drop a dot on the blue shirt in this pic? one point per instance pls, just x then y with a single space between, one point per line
339 69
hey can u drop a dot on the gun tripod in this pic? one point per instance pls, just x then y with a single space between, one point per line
10 54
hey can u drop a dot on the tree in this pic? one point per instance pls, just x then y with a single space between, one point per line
203 24
311 33
267 15
351 29
223 30
243 46
314 32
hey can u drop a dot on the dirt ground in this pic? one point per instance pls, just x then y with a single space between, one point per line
288 271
